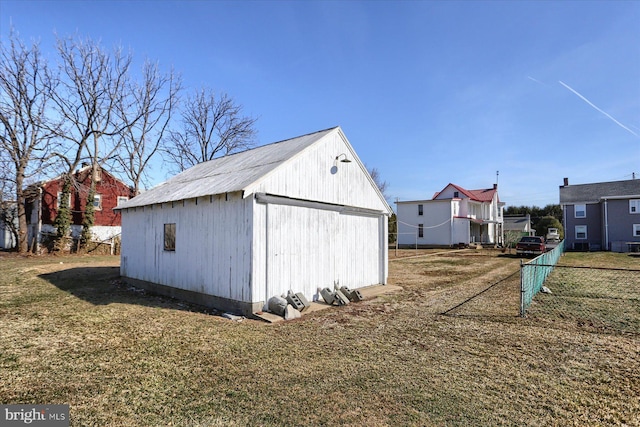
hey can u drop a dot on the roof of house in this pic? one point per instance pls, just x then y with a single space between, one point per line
226 174
517 222
482 195
593 193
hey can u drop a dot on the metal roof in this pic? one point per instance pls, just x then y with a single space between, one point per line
481 195
226 174
593 193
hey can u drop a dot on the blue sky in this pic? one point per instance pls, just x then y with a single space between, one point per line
427 92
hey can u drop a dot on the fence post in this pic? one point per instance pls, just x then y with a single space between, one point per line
521 289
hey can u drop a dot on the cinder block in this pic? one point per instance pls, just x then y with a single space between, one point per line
295 301
341 299
303 299
356 296
328 296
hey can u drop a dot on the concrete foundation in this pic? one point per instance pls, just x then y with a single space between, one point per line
210 301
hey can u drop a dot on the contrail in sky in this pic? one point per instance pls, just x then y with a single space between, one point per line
536 80
590 103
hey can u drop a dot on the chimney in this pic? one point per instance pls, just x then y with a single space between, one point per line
495 186
566 182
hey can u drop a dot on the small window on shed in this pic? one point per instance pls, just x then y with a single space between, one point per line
170 237
420 210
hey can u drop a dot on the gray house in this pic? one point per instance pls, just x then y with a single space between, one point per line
516 227
602 215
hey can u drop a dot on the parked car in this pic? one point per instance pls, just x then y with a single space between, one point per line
553 234
531 245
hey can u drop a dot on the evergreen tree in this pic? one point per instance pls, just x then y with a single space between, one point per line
89 218
62 223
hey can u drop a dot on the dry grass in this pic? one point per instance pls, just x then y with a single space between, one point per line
71 334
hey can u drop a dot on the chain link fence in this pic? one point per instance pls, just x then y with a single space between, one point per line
534 273
605 299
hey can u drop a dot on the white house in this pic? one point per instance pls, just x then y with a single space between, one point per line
453 216
300 215
8 221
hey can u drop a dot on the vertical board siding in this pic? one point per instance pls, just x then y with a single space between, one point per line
307 249
213 246
309 177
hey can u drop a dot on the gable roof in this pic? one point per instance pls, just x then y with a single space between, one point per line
593 193
517 223
482 195
226 174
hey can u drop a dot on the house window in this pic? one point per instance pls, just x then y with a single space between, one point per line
97 202
170 237
122 199
456 194
581 232
60 198
634 206
420 210
580 211
636 230
420 230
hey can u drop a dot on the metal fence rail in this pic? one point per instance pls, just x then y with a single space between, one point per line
534 273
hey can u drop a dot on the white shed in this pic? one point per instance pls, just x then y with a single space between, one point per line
300 215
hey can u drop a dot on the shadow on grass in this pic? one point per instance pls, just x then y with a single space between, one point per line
103 286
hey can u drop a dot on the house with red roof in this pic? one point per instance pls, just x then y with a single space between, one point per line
453 216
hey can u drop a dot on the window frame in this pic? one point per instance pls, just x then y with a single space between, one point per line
420 230
576 231
59 197
420 210
575 211
636 230
97 197
634 206
169 237
121 199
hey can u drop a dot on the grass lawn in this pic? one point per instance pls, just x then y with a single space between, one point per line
72 333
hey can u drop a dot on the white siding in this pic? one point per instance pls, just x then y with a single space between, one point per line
305 249
213 252
436 220
461 231
314 174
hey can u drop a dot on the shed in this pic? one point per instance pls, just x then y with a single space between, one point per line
301 215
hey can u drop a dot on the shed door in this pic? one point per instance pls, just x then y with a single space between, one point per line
309 249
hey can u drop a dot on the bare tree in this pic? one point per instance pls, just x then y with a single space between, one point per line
147 119
211 127
377 178
94 84
8 208
26 131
